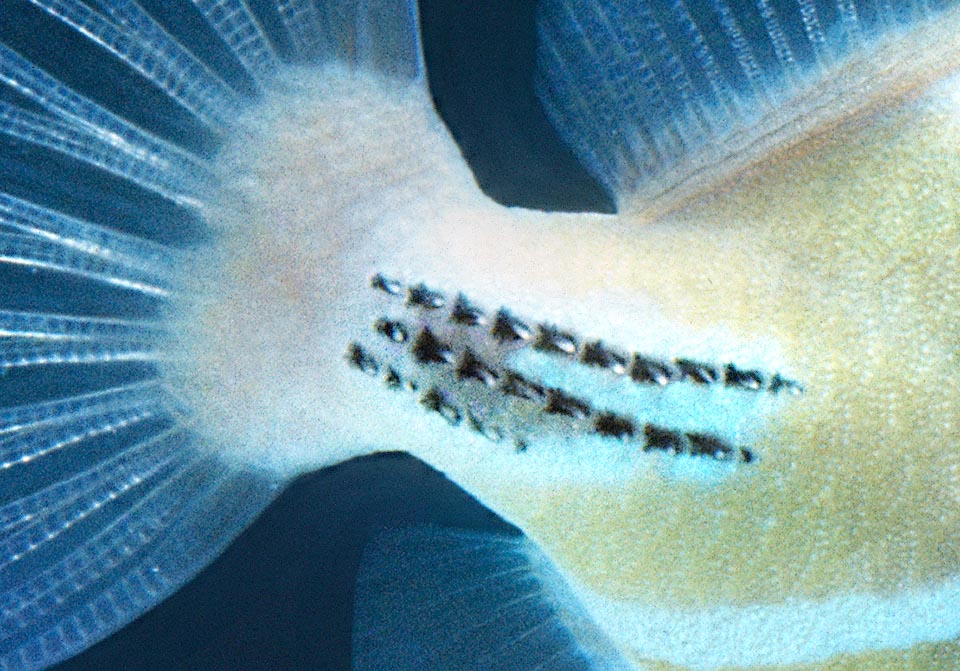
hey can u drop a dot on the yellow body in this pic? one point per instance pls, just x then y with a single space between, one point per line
857 278
847 256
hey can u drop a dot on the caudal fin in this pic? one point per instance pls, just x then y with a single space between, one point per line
110 116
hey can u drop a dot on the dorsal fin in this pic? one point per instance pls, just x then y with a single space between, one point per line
662 99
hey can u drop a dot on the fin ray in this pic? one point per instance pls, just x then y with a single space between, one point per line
157 56
38 253
377 35
95 550
443 599
59 100
95 150
111 493
661 107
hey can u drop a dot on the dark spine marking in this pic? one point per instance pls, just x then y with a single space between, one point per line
658 438
422 296
438 402
554 341
491 433
614 426
472 368
698 373
392 378
751 380
393 330
386 285
467 314
362 360
429 349
710 446
561 403
650 371
780 384
599 355
507 328
516 385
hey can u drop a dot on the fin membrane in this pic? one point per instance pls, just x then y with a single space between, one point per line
433 599
108 499
641 88
106 508
377 35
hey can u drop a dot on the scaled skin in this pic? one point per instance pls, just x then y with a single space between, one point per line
836 262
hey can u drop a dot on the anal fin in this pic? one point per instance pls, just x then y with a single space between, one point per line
435 599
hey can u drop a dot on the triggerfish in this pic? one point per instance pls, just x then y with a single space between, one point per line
237 244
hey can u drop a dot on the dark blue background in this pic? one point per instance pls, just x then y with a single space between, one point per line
281 596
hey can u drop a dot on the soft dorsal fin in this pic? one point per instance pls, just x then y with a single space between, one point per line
437 599
662 99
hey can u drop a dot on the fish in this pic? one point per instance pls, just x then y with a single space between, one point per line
238 245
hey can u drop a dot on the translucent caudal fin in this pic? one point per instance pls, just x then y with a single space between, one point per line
107 509
434 599
111 112
377 36
661 99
